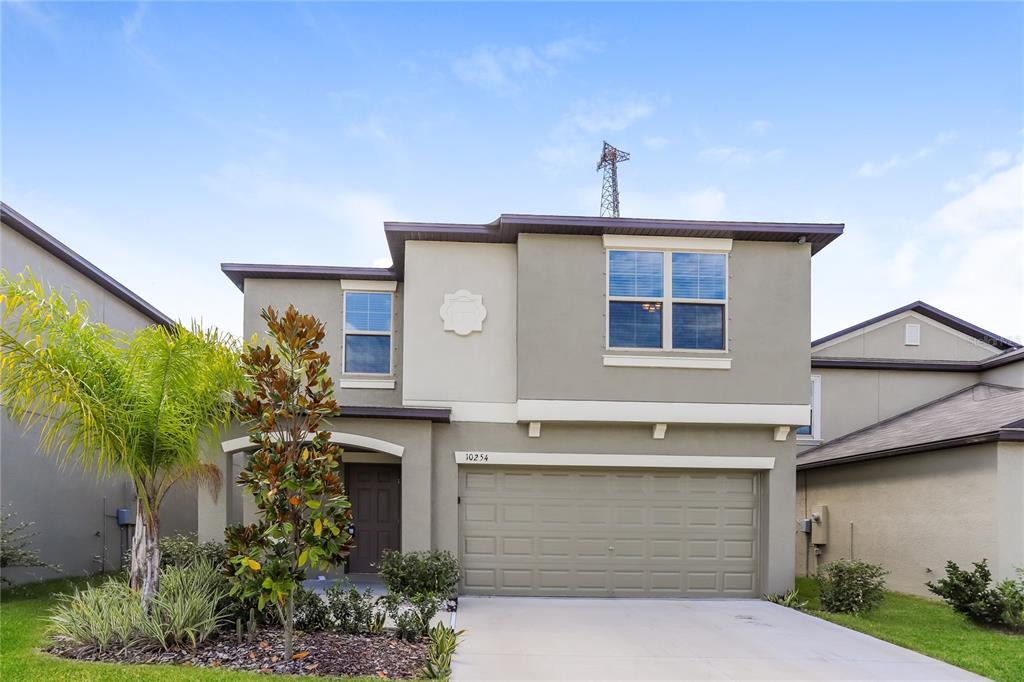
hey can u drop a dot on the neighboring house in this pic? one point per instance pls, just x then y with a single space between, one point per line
574 406
74 512
915 448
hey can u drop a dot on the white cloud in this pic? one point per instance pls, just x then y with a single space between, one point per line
739 156
876 169
759 127
131 24
502 69
355 215
575 140
370 130
982 259
656 142
707 203
609 114
993 160
901 264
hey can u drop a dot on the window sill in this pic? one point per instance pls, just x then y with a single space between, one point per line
667 362
367 383
807 440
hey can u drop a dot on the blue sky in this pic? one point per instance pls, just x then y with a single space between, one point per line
159 140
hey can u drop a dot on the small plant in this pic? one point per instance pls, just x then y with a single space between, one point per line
377 621
411 573
16 546
352 612
971 593
411 616
791 600
184 614
443 642
849 586
311 612
184 549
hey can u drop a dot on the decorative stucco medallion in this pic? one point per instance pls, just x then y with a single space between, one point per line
463 312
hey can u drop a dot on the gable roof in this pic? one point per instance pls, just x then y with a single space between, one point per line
62 252
1005 358
976 414
929 311
507 227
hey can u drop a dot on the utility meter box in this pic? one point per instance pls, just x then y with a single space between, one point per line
125 517
819 524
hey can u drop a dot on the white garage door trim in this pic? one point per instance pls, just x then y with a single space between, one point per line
563 459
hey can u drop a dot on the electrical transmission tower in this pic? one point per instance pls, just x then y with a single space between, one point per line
610 157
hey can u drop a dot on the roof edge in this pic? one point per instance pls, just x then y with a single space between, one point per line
975 439
239 272
56 248
934 313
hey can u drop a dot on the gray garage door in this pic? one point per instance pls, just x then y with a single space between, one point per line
607 532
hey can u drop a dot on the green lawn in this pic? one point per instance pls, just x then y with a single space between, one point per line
22 632
933 629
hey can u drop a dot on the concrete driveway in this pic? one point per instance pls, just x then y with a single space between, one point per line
512 638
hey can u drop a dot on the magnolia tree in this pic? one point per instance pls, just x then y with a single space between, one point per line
294 473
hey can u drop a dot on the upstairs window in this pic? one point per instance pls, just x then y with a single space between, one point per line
812 431
367 332
667 300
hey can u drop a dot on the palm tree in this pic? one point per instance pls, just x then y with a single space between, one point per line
137 405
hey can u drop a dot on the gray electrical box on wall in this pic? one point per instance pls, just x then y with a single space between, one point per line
819 524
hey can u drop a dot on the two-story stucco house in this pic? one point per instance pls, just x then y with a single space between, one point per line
572 405
915 451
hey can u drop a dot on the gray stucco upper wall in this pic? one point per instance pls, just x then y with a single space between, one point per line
888 340
18 253
324 300
852 399
562 318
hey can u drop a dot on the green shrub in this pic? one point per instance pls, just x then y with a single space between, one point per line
311 612
106 616
970 593
350 610
412 573
443 641
187 609
185 612
183 549
849 586
411 616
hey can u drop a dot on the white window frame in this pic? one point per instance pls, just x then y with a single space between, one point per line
666 300
815 434
345 332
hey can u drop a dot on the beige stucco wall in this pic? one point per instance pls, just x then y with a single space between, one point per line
910 513
324 299
887 341
1010 509
852 399
441 366
1007 375
562 319
72 511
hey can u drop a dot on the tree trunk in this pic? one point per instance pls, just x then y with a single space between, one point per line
145 574
289 620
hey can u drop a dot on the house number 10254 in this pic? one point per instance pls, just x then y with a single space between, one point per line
476 456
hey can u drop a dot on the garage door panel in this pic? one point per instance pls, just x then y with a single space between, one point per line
601 533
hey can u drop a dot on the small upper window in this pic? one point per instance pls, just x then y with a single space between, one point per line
684 310
812 431
367 332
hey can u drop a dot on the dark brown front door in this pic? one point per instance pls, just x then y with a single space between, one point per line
375 493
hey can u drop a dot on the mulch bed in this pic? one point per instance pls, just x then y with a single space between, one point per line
318 653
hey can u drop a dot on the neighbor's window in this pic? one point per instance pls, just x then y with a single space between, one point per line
666 300
367 332
812 431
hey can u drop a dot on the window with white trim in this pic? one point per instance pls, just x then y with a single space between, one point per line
812 431
367 332
667 300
